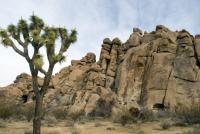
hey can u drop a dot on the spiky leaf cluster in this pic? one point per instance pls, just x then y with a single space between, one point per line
73 36
38 61
58 58
5 40
12 29
36 23
67 38
50 35
23 29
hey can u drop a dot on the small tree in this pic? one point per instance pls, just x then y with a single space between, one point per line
36 35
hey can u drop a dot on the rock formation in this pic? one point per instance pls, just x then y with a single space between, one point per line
161 67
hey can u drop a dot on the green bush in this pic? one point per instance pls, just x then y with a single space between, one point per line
188 114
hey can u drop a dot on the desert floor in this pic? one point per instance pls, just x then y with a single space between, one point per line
100 126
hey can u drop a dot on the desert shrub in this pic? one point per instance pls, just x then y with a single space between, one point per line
77 115
188 114
141 132
146 115
193 131
124 115
69 123
103 109
110 128
121 115
97 124
163 114
165 125
6 110
16 111
26 111
50 119
59 113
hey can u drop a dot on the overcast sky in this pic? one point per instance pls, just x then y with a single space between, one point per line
94 20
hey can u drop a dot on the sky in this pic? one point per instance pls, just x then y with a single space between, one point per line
94 20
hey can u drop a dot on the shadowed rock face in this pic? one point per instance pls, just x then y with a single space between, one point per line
161 67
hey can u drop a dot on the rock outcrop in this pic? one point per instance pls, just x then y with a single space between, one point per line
161 67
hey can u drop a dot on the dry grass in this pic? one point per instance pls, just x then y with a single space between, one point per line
97 124
59 113
16 111
25 111
2 124
146 115
75 130
69 123
193 131
121 115
190 115
28 132
141 132
165 125
6 110
50 120
19 127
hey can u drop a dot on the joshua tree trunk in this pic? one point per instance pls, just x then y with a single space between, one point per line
39 94
38 102
37 115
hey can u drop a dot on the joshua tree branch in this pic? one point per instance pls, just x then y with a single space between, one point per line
20 42
17 50
42 71
63 48
47 79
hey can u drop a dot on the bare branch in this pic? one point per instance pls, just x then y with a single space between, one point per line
25 47
64 47
18 51
20 42
47 79
42 71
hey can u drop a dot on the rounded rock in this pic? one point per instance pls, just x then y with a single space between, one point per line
107 41
137 30
116 41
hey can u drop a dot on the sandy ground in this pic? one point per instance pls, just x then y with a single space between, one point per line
93 127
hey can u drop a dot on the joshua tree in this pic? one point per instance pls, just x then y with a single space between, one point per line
35 35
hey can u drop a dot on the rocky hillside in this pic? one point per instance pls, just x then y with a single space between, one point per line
157 69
